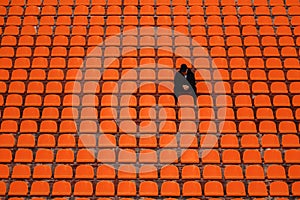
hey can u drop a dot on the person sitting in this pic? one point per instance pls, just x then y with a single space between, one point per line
184 82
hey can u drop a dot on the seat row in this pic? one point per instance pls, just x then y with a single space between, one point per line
147 51
62 20
114 28
150 156
146 87
151 141
151 2
146 126
148 100
81 10
167 62
150 188
148 171
148 113
180 40
142 74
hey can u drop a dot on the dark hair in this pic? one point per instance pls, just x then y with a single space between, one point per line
183 68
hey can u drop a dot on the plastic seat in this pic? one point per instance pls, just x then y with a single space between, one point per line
127 155
284 114
23 155
148 188
85 156
276 172
64 155
257 188
254 172
264 113
168 127
290 141
190 172
61 188
249 141
21 172
272 156
8 126
227 127
42 171
7 140
211 156
243 101
231 156
147 155
106 172
44 156
167 141
105 188
83 188
235 188
191 188
126 188
229 141
291 156
233 172
262 101
169 172
260 87
269 141
213 188
295 188
106 140
106 156
28 126
148 172
40 188
212 172
127 141
168 156
225 113
170 188
279 188
291 75
251 156
293 172
189 156
18 188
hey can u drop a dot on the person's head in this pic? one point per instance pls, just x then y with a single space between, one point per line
183 69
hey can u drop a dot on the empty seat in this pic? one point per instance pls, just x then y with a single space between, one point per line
279 188
213 188
18 188
235 188
251 156
212 172
190 172
191 188
257 188
40 188
233 172
126 188
170 188
148 188
61 188
276 172
254 172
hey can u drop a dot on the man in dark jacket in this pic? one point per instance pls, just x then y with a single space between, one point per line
184 82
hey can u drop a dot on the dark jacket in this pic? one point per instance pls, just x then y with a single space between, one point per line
191 79
180 80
